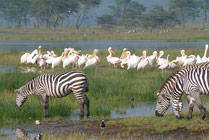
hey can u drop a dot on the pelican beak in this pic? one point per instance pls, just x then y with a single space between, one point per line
93 55
39 51
113 52
76 52
143 56
156 56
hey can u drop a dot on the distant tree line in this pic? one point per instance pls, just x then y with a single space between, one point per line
52 13
132 13
47 12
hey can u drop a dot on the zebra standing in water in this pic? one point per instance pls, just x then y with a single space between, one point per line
56 85
193 80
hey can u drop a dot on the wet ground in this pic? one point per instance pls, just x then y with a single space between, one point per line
91 129
91 126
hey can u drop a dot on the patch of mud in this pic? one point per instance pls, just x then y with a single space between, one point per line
92 129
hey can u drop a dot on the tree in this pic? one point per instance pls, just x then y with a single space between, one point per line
105 20
81 11
185 9
127 12
158 17
204 6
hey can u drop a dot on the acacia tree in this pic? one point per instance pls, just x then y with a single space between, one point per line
127 12
204 6
158 17
82 10
185 9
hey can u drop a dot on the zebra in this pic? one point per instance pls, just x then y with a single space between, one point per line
193 80
56 85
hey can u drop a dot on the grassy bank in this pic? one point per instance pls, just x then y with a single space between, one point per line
101 33
106 85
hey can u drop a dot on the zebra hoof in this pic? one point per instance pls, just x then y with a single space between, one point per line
88 114
203 117
178 117
189 117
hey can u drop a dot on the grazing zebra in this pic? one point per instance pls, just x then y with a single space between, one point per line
193 80
56 85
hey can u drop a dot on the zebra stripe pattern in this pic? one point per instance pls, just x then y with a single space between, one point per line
193 80
56 85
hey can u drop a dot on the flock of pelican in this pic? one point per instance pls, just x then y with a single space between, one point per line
127 60
68 57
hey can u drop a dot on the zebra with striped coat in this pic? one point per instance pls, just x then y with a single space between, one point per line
56 85
193 80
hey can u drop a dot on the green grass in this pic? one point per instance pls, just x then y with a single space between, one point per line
106 85
64 33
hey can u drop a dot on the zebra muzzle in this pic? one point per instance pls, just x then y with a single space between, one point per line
158 114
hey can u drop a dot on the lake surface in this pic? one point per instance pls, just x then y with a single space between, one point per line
90 45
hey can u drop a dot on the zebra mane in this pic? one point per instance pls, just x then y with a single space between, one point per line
175 76
31 80
171 80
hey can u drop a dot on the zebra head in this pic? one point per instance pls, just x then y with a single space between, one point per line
163 104
20 98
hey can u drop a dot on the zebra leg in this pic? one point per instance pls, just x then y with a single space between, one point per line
175 104
81 102
87 102
198 101
45 104
191 105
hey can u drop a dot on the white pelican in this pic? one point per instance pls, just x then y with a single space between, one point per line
112 60
24 57
133 61
204 58
190 60
93 61
161 61
33 57
165 65
72 58
82 60
41 62
199 60
172 65
152 58
181 60
57 60
144 61
123 53
124 58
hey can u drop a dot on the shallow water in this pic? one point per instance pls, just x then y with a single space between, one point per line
131 109
90 45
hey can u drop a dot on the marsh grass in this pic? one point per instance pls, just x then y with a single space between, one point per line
105 84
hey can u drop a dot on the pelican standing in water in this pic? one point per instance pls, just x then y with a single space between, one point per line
112 60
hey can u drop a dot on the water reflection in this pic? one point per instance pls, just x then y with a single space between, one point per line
21 134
